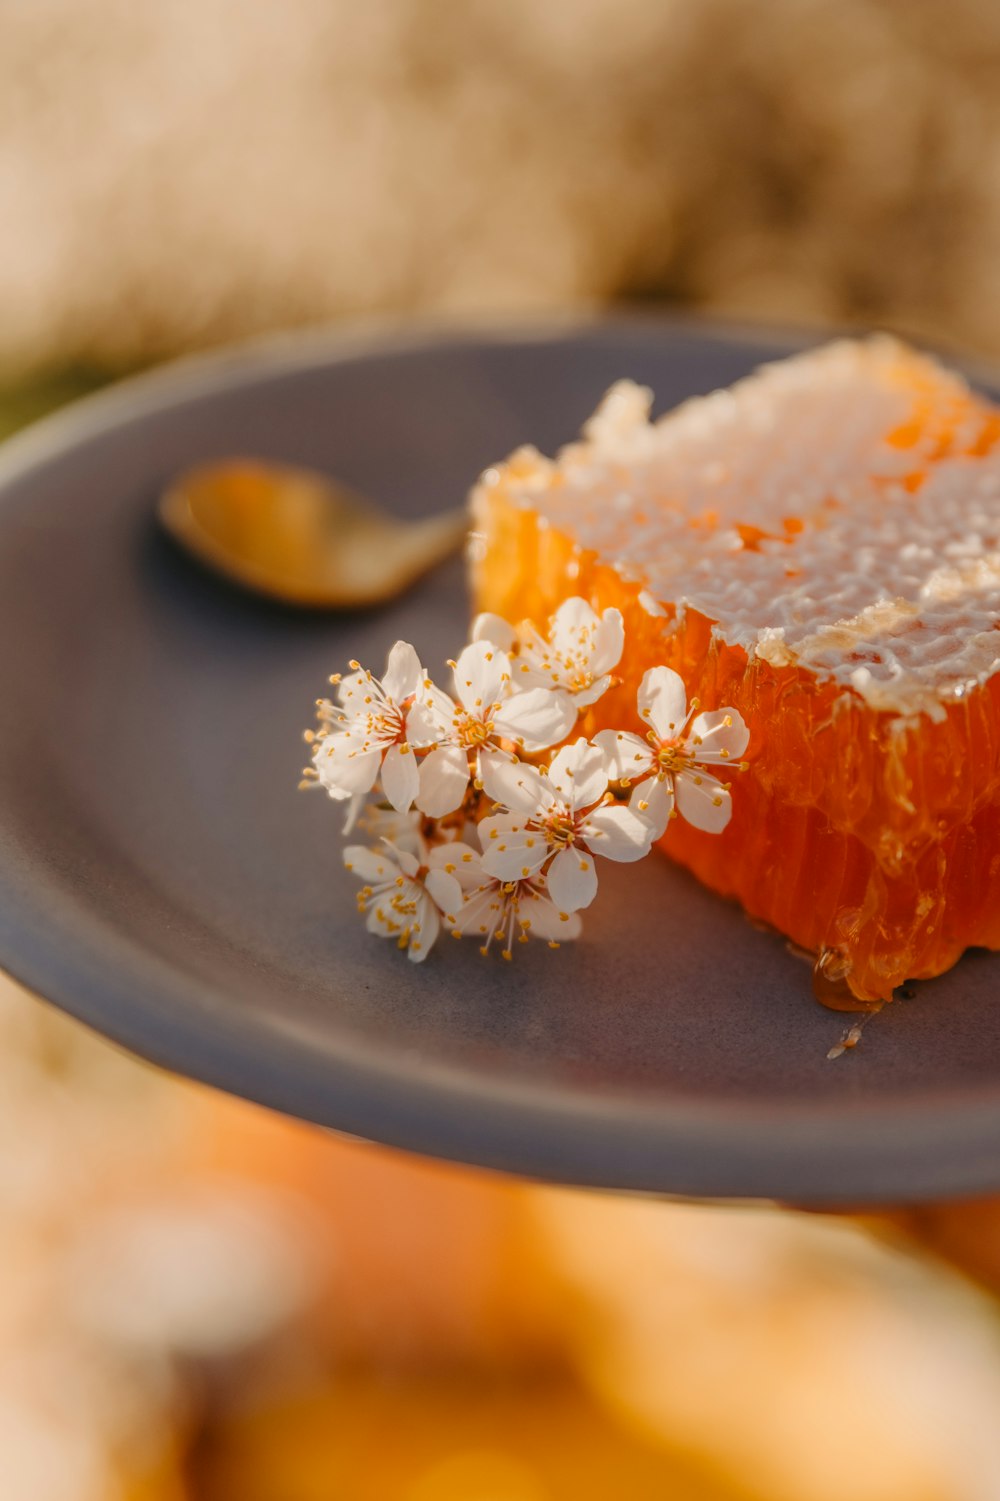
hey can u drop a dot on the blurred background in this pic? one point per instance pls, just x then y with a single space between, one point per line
200 1301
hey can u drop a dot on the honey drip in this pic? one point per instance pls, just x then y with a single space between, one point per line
831 985
850 1039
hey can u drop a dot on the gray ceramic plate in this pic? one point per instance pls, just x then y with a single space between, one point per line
162 879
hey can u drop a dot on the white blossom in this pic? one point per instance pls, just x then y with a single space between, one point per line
331 717
577 655
367 732
508 910
669 766
558 821
486 714
405 894
517 693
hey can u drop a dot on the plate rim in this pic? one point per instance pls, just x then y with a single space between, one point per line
494 1123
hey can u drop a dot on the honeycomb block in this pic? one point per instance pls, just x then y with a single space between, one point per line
818 546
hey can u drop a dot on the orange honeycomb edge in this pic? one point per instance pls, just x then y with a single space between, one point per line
869 841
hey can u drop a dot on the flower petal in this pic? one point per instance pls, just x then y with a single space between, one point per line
344 767
431 718
525 673
352 689
662 700
493 628
510 851
426 927
482 676
534 654
400 778
445 891
579 773
626 755
703 801
371 866
403 672
539 916
617 833
383 920
513 784
339 797
609 642
458 860
536 718
572 880
480 908
653 800
573 626
443 778
408 862
722 734
587 696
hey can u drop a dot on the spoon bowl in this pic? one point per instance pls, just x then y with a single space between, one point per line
300 537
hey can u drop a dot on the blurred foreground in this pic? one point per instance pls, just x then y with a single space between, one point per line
204 1301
